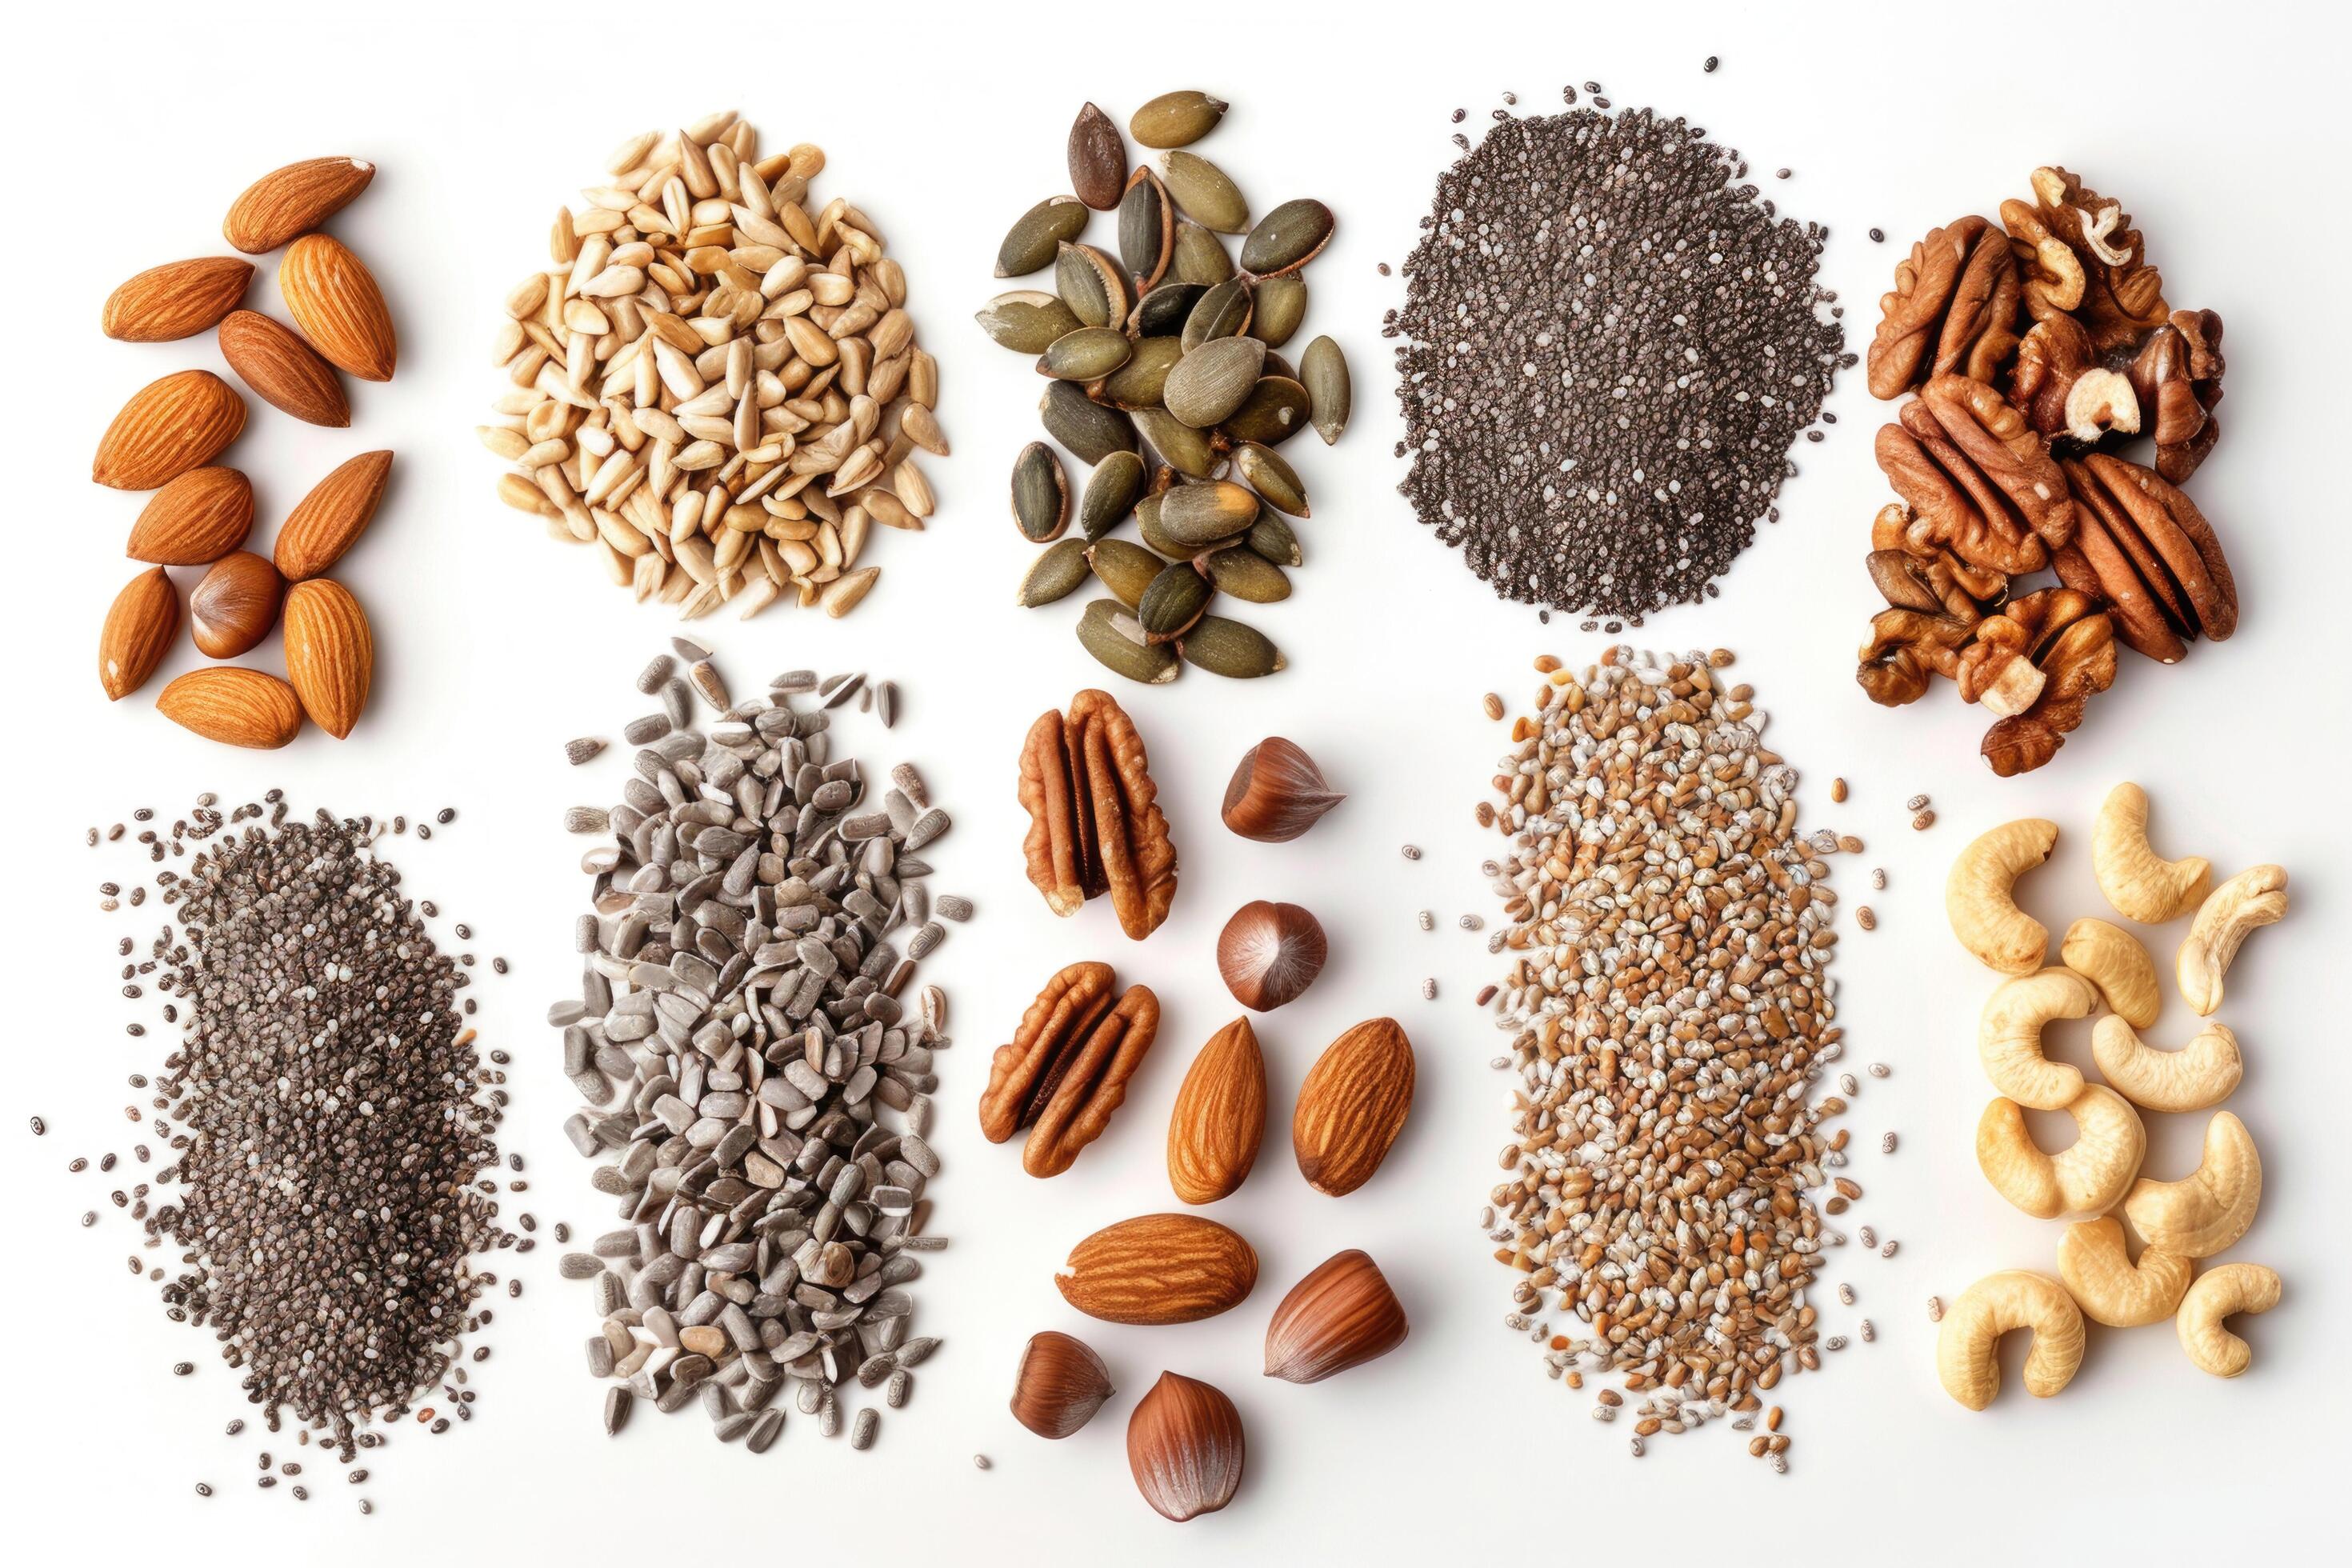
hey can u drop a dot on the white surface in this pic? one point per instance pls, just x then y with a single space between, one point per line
130 131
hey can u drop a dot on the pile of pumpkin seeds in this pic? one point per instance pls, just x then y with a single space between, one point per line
1166 378
756 1072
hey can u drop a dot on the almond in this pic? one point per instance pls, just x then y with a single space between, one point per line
284 371
1184 1447
329 520
329 656
138 633
1342 1314
233 608
235 705
1351 1106
1158 1269
197 518
293 200
1220 1117
177 299
334 299
182 422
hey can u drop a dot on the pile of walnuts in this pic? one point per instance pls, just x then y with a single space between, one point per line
2034 352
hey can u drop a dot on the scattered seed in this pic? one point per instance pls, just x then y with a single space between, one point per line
1837 791
1889 1249
1878 878
1916 803
979 1461
1411 851
1934 1309
1429 990
1492 705
1886 1144
1924 820
1865 917
1427 920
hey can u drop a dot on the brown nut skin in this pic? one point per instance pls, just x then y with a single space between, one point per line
1341 1315
1219 1121
1066 1071
1270 954
1184 1447
1953 310
2176 376
1060 1384
1277 793
235 603
2177 533
1095 822
1351 1106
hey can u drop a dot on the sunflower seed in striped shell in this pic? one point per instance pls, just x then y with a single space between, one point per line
1086 428
650 679
868 1423
1097 158
1281 307
1041 494
1224 312
1027 321
1111 493
582 750
1127 570
1227 647
1031 243
1190 452
1246 575
1147 229
1212 381
1175 599
1116 638
1198 514
1271 537
1142 381
1203 192
1055 575
1274 480
1275 410
1176 118
1323 370
1201 256
1287 238
1090 353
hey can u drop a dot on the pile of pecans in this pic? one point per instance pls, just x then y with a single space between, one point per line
719 391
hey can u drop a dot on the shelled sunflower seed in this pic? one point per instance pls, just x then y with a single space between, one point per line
753 1084
717 390
1165 375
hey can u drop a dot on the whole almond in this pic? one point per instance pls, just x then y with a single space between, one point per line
1220 1117
285 372
334 299
196 518
182 422
1351 1106
177 299
330 655
293 200
1184 1447
1158 1269
1060 1384
329 520
233 608
235 705
1342 1314
138 628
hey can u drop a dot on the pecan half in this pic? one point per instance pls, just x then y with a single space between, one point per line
2120 297
2074 648
1953 310
1066 1069
2176 376
1095 823
2155 523
1978 482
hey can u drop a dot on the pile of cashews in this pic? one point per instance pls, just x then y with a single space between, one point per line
2198 1216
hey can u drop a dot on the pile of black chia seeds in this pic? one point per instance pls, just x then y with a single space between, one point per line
1610 342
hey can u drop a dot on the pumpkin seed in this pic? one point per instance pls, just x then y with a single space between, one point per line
1089 354
1204 192
1161 313
1210 383
1223 312
1197 514
1116 640
1247 574
1147 229
1188 451
1276 366
1056 573
1287 238
1092 285
1026 321
1281 307
1177 119
1110 495
1098 159
1142 381
1173 601
1201 256
1041 494
1085 427
1127 570
1270 538
1147 524
1275 411
1230 649
1031 243
1324 370
1275 482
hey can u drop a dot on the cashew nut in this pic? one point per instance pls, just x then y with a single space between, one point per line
2254 897
1966 1358
1977 900
2112 959
2198 1074
2097 1270
2009 1037
2221 1293
2206 1211
2142 885
2084 1178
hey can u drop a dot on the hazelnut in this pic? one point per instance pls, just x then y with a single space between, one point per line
235 604
1341 1315
1269 954
1277 793
1184 1446
1060 1385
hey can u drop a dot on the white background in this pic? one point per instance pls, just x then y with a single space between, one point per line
130 131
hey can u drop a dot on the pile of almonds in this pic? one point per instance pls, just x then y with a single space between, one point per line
166 437
718 391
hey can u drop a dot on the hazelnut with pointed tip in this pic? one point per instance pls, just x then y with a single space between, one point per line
1184 1446
1342 1314
1277 793
1269 954
1060 1385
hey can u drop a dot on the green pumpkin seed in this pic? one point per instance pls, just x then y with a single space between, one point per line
1142 381
1056 573
1161 313
1271 539
1281 306
1098 159
1247 574
1029 245
1324 370
1204 192
1228 647
1274 480
1287 238
1125 569
1188 451
1041 494
1087 354
1090 431
1223 312
1174 600
1275 411
1212 381
1147 229
1176 118
1112 634
1201 256
1276 366
1147 524
1111 492
1198 514
1026 321
1092 285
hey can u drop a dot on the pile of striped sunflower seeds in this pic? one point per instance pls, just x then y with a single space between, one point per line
755 1082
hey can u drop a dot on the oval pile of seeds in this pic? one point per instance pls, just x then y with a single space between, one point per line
1611 344
1670 1010
332 1130
1165 376
719 391
756 1064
